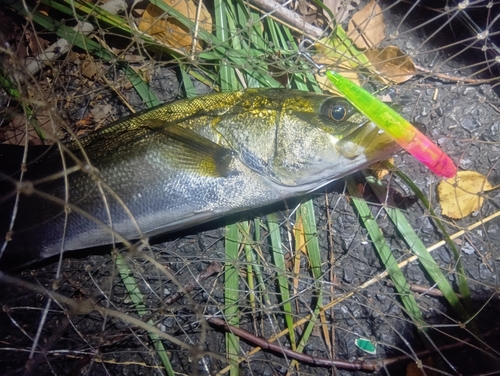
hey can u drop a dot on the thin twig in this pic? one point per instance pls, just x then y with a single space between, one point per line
430 291
288 16
213 268
377 279
366 366
454 78
194 40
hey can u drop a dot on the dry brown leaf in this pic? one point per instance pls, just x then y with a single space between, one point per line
391 64
89 68
307 10
340 9
14 133
460 196
328 58
339 52
367 27
170 31
101 112
379 170
36 43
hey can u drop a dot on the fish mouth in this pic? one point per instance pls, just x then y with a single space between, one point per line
368 140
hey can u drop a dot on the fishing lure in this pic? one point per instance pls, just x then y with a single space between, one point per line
396 126
392 123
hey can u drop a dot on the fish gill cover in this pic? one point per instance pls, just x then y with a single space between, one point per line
393 256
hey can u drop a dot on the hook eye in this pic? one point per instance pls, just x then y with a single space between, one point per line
303 42
303 53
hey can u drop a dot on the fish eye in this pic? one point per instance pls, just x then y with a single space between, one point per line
336 110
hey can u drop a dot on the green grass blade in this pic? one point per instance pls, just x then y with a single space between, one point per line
462 282
416 245
138 301
299 79
227 81
245 229
385 255
283 39
231 295
281 273
227 78
306 213
241 42
140 86
248 17
188 84
256 267
221 50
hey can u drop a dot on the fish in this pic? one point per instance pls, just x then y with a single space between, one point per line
179 165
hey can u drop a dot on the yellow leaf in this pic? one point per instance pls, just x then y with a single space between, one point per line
461 195
170 31
367 27
391 64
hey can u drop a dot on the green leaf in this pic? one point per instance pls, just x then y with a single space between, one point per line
138 300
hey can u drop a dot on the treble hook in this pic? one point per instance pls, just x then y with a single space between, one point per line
303 53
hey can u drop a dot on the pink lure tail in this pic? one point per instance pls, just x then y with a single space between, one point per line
423 149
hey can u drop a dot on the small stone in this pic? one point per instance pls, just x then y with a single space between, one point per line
494 129
348 274
493 229
465 163
445 256
469 124
468 249
484 271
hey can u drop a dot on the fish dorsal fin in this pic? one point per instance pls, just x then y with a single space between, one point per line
192 151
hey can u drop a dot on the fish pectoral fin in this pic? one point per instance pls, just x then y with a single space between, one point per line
190 150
